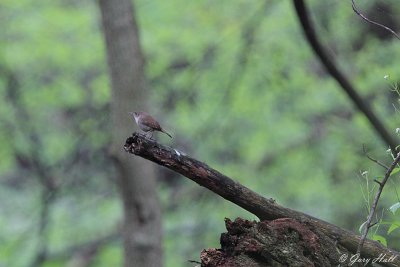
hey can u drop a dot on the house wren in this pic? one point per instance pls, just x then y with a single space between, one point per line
147 123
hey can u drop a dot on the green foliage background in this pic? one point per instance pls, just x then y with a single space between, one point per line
233 81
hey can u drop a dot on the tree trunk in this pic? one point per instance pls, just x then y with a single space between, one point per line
136 177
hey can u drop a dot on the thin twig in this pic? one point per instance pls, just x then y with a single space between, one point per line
371 21
373 224
374 160
368 224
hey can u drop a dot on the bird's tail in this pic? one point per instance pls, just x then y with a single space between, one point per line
162 130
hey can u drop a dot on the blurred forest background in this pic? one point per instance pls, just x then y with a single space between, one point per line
237 86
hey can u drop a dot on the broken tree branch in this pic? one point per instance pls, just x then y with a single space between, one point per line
263 208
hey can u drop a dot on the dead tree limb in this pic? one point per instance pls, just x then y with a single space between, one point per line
263 208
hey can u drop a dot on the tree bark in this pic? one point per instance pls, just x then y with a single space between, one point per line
142 232
281 242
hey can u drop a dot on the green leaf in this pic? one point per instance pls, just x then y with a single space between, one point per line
395 170
394 207
360 229
393 227
380 239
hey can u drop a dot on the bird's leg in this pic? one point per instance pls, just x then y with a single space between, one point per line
149 134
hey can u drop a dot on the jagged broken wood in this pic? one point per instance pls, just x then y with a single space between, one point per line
263 208
281 242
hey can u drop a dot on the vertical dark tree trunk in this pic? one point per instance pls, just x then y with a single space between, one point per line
142 226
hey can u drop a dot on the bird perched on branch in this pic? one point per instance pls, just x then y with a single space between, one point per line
147 123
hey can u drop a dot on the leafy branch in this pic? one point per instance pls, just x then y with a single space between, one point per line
368 223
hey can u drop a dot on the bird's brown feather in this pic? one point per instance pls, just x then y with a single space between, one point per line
149 121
